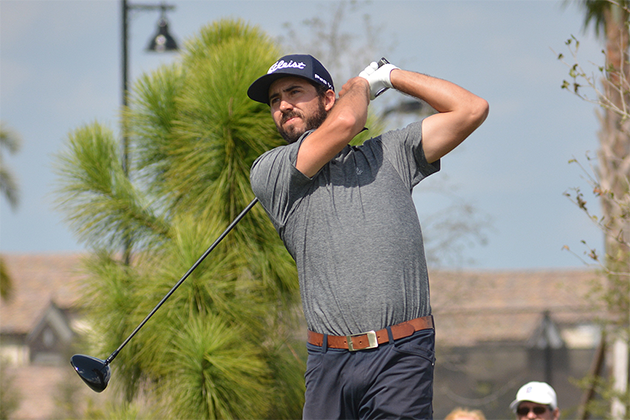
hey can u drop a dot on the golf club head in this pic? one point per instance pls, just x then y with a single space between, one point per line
94 372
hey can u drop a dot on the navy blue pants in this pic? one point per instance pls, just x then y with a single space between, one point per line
393 381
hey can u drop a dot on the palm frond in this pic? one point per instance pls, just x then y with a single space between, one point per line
101 203
216 370
6 283
8 185
10 141
595 12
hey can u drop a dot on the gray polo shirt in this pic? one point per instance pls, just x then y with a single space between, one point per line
352 230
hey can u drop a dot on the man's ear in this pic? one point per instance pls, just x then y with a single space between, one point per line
329 99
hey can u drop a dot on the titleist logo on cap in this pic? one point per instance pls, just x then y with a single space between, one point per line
284 65
324 81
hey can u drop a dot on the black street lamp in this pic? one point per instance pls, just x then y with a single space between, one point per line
162 41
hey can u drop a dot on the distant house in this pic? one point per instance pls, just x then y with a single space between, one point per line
36 323
495 331
37 328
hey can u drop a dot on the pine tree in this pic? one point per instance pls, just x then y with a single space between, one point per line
221 347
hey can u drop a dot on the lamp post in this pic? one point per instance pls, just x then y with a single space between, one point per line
161 42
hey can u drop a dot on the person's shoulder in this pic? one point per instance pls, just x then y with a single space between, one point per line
412 128
273 158
271 152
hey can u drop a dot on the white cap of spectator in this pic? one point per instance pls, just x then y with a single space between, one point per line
538 392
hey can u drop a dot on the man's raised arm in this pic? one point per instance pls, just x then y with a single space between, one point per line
460 112
345 120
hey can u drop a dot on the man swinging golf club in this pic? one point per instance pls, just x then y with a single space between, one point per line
347 217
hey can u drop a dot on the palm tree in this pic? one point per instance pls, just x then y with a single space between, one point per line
8 186
611 20
222 346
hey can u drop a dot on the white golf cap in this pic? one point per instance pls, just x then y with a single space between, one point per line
537 392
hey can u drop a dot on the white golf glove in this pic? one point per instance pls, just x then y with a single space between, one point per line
378 78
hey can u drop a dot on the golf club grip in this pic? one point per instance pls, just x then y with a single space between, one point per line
185 276
381 63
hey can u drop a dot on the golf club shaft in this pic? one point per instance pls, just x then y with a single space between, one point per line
381 63
195 265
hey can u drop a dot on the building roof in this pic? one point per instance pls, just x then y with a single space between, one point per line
470 307
475 307
37 280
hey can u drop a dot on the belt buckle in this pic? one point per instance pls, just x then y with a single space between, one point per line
372 342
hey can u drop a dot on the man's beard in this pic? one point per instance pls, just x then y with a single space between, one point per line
293 134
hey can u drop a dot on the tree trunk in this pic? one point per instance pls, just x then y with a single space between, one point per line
614 137
614 177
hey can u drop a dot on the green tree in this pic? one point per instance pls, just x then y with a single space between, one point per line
221 347
9 189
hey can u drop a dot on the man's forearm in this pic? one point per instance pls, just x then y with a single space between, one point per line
345 120
460 112
442 95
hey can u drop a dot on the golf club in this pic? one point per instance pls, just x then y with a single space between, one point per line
381 63
95 372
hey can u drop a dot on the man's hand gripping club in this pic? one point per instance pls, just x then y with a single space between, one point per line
378 76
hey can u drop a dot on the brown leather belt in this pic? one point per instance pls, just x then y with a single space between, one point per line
372 339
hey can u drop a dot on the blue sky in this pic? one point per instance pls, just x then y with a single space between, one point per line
60 67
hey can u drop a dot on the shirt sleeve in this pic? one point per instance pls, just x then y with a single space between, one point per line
275 179
404 149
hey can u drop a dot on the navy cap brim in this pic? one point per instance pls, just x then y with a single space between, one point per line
259 90
299 65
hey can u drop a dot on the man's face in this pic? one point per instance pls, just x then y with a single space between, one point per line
532 410
296 107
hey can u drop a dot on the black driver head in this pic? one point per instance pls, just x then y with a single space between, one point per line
94 372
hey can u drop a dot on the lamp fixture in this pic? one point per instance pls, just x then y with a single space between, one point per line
163 41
